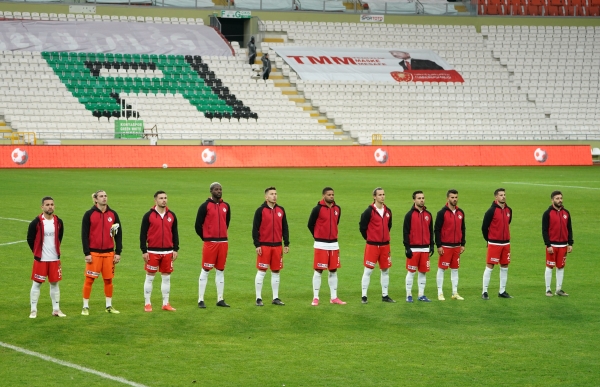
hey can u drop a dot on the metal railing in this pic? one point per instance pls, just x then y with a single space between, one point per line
214 22
22 138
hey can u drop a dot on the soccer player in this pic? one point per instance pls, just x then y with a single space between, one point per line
418 244
375 225
159 242
496 232
44 235
323 225
102 240
268 229
558 238
212 223
450 242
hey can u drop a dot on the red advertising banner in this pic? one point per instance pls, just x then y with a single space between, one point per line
140 156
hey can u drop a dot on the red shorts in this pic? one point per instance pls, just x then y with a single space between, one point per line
327 259
558 259
42 270
378 254
159 262
450 259
272 256
418 262
102 263
498 254
214 254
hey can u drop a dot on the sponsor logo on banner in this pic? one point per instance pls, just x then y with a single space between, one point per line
368 64
236 14
371 18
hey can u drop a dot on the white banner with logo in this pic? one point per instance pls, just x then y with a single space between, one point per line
129 38
236 14
368 64
371 18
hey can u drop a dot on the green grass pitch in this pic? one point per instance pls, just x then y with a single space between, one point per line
531 340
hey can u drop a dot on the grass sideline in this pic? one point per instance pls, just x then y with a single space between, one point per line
530 340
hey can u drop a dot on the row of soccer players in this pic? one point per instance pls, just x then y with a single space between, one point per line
159 242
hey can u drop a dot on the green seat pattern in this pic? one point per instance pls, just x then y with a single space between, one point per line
94 92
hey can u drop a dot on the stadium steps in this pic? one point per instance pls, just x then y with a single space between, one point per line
275 39
287 86
290 90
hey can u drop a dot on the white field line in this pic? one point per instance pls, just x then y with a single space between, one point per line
17 220
71 365
11 243
550 185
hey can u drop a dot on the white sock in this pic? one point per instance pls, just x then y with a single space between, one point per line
487 274
385 282
148 288
86 302
439 279
560 274
202 284
333 282
275 284
410 276
108 302
258 282
366 279
316 284
422 282
220 281
454 280
34 295
548 277
165 288
55 295
503 278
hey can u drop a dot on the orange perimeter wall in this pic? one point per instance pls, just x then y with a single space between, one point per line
123 156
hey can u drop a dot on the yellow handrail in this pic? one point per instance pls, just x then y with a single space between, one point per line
23 138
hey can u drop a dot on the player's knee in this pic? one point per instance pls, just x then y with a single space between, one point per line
275 271
319 271
332 271
108 281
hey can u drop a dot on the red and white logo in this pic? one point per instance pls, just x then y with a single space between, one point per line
459 216
426 217
279 214
169 219
224 209
109 219
508 214
335 213
388 215
565 216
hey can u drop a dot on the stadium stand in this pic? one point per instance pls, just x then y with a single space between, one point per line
512 90
539 7
62 95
